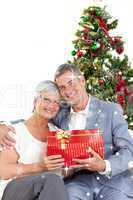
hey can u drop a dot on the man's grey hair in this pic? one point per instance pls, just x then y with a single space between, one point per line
67 67
47 86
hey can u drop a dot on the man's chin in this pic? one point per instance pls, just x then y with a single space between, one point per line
71 103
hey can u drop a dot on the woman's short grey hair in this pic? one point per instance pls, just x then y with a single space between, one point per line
67 67
47 86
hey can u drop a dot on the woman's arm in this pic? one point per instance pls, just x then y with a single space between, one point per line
9 166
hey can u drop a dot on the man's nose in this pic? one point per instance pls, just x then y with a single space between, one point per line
67 91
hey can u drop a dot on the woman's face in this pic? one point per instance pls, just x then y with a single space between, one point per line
47 105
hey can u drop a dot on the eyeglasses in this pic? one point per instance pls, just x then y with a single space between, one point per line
49 101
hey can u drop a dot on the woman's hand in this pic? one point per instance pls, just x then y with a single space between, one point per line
52 162
6 136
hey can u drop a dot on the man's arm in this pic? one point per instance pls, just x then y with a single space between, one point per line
6 140
6 133
3 130
123 143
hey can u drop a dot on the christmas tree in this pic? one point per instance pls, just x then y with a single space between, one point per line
108 73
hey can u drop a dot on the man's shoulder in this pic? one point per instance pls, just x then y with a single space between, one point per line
61 115
106 105
13 122
64 109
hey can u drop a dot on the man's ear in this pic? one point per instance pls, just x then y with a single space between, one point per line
82 80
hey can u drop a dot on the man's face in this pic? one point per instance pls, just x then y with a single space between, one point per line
71 87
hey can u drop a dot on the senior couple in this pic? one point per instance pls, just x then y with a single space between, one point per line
27 172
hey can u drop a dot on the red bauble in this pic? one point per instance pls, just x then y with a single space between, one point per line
120 49
79 54
117 88
122 83
101 81
120 99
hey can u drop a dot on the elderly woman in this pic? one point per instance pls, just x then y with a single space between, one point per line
26 170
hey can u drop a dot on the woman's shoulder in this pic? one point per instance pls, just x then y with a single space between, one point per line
20 129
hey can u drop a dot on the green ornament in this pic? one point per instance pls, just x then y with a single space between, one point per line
98 12
73 53
87 54
85 18
95 46
76 46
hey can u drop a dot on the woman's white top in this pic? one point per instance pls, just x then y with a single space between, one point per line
30 149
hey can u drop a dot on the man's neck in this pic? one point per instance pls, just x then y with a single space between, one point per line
82 104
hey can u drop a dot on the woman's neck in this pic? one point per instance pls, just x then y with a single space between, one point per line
37 121
38 127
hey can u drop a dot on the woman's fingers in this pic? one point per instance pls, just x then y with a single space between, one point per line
58 165
48 160
53 162
54 157
61 160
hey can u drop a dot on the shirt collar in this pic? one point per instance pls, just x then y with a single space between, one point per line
85 111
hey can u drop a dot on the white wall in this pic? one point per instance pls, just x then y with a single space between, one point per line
35 37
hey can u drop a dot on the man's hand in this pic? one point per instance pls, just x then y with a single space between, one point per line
6 137
94 163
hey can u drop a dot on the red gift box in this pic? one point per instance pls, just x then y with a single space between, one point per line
74 144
